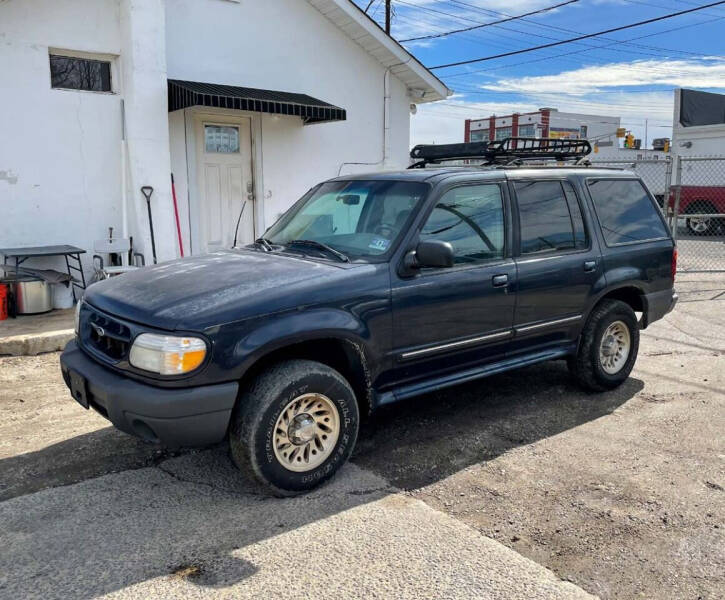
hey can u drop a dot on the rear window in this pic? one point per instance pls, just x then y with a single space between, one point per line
625 211
550 217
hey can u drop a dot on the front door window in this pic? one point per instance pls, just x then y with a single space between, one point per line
221 139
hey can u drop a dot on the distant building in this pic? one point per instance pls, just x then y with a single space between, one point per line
545 122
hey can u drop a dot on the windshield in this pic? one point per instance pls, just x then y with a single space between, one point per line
362 219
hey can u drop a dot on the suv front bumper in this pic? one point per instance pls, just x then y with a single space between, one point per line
194 416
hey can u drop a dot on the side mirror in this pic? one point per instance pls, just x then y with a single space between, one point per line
434 253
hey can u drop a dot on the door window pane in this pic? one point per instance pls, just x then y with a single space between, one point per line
625 211
72 73
471 219
221 139
546 224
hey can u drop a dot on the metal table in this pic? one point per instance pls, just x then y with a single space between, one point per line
72 254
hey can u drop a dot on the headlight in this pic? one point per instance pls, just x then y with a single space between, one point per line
167 354
77 317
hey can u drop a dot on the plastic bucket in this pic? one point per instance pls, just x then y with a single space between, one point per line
3 301
62 296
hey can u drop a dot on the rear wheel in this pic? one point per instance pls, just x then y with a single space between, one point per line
607 348
294 426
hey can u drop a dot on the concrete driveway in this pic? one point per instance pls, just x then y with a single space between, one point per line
512 487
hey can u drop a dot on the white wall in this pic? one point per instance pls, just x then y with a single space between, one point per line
217 41
60 156
59 149
598 126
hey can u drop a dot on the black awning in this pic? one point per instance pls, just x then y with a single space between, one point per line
183 94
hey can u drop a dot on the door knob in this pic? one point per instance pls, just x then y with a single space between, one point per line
500 280
590 265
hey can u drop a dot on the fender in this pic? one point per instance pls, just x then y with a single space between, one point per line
294 327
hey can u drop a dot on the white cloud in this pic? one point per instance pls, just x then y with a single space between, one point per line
707 72
600 90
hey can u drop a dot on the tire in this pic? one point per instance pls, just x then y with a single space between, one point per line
596 366
281 419
701 227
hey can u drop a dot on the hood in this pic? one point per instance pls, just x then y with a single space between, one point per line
225 286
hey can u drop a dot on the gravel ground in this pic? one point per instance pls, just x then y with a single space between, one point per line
620 493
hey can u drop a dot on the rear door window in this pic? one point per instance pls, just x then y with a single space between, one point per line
550 219
625 211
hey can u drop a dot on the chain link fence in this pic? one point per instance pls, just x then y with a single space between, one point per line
696 213
657 174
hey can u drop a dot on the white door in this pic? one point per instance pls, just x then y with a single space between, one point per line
224 167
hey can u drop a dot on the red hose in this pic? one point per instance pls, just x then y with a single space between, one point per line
176 213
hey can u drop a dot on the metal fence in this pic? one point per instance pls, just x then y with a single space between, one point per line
691 193
696 212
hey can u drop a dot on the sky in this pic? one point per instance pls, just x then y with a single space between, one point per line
630 73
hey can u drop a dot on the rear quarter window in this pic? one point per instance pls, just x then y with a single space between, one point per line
625 211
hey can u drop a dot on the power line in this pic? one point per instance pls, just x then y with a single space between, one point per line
549 57
506 20
565 30
605 47
593 47
576 39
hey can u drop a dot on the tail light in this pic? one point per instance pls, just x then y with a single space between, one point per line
674 262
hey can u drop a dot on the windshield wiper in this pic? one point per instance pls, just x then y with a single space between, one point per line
320 246
265 243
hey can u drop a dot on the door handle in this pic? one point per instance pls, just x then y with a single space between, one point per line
500 280
590 265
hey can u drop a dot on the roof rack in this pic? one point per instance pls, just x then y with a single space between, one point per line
511 150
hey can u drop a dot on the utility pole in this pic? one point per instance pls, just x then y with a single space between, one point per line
645 137
388 10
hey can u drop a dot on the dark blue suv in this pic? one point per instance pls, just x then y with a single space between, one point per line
369 290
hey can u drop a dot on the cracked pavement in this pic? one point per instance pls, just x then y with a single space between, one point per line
518 486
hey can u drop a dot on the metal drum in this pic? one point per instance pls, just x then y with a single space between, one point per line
32 295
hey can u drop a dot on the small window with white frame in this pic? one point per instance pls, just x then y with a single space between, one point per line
83 72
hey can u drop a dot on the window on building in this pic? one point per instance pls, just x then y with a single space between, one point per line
503 132
73 73
527 130
550 219
481 135
471 219
626 212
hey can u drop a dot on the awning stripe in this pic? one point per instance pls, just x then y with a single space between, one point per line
183 94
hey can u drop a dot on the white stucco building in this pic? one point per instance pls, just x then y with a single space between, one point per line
242 100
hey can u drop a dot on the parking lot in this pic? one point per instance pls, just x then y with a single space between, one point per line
517 486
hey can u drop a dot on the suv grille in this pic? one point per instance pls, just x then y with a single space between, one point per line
108 336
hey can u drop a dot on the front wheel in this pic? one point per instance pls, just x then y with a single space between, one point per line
607 348
294 426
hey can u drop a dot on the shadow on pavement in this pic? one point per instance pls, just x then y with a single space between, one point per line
186 518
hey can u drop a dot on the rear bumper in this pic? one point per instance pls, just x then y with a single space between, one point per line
194 416
657 305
